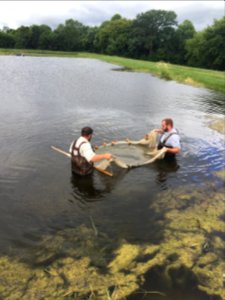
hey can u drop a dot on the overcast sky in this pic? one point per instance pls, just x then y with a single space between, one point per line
16 13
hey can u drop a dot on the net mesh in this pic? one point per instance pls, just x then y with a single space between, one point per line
131 154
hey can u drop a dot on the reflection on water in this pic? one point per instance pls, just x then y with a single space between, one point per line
46 101
93 188
84 188
165 168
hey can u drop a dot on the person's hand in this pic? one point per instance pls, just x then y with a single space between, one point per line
158 131
108 156
128 141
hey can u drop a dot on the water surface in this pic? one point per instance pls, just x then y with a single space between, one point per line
46 101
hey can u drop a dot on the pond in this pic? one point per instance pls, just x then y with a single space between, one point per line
46 101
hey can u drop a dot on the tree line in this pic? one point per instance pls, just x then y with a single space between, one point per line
154 35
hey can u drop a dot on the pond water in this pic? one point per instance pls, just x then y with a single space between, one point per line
46 101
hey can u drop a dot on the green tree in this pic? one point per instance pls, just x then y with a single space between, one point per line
7 39
69 37
33 37
22 37
35 32
45 38
149 31
89 38
184 32
112 36
214 45
164 46
206 48
194 48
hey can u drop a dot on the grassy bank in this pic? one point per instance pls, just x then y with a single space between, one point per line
214 80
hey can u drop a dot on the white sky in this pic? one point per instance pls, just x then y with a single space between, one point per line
17 13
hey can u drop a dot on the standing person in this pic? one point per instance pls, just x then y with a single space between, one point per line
170 138
82 155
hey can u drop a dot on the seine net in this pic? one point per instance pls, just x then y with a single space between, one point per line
131 154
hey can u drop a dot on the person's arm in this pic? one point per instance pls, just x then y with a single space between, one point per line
174 150
87 152
98 157
174 141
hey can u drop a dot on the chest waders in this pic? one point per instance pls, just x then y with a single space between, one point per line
79 164
168 156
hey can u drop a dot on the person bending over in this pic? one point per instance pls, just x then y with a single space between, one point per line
82 155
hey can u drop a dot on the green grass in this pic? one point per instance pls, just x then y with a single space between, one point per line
210 79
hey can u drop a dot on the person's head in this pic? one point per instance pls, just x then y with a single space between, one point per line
167 124
87 132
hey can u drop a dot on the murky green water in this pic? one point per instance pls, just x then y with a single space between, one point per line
44 102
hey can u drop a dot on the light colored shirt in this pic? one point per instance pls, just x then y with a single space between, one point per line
173 140
86 150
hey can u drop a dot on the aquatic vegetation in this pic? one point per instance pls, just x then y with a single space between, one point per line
218 125
195 234
190 81
83 263
72 262
220 174
164 71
